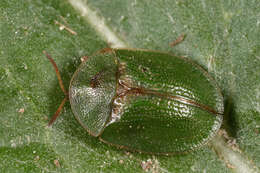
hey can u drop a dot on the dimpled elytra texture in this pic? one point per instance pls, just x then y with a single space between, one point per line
146 101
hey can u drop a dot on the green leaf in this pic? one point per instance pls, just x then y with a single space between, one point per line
222 36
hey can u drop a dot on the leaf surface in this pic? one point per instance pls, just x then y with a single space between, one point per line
222 36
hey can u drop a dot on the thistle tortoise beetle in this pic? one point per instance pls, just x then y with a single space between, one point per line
143 100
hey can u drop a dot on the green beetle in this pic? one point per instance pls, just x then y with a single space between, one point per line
143 100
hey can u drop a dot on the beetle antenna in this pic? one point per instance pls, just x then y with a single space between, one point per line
57 71
57 113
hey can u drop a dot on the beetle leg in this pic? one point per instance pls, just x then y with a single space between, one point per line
178 40
57 113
